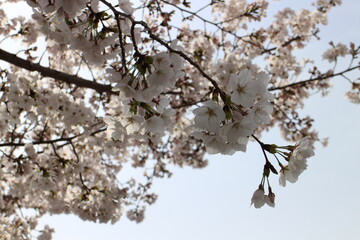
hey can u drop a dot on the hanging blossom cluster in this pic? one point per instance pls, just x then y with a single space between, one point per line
92 87
226 129
142 118
296 162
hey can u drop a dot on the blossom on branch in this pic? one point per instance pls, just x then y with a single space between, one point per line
297 161
91 87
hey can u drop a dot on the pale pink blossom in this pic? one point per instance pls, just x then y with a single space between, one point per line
297 162
244 88
258 198
209 116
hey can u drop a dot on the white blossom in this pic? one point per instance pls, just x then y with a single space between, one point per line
244 88
209 116
334 52
258 198
297 162
261 112
113 90
71 7
270 199
240 128
126 6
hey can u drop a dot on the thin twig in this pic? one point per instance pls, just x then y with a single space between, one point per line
322 77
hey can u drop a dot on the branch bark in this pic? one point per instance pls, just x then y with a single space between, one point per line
322 77
61 139
57 75
163 43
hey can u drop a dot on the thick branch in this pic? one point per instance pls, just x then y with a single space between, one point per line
322 77
61 139
57 75
11 144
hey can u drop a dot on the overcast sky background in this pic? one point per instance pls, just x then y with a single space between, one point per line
213 203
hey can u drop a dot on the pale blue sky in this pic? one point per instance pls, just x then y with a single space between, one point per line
213 203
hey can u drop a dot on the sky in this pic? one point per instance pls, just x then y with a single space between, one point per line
214 203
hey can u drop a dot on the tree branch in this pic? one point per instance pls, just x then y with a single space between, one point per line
11 144
57 75
163 43
321 77
288 42
207 21
61 139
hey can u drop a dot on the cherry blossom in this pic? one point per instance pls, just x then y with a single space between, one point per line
244 88
297 162
270 199
258 198
209 116
91 87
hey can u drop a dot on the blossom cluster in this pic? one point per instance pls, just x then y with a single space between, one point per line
297 161
225 129
334 52
160 94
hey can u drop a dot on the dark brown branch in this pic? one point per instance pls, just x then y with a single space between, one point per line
57 75
12 144
61 139
184 56
163 43
123 57
321 77
288 42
